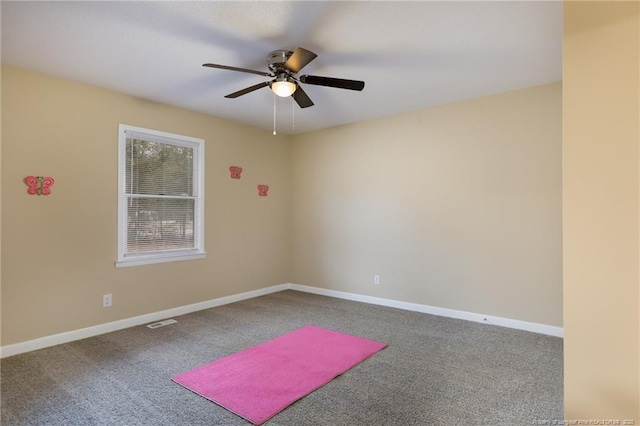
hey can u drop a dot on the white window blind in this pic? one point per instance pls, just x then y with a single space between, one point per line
161 197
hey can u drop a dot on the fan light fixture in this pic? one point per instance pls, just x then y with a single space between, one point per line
283 86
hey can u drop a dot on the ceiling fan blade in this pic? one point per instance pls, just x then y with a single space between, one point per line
340 83
299 59
301 97
226 67
248 90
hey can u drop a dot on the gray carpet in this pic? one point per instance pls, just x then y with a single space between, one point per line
435 371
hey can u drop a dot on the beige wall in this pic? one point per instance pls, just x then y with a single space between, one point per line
601 101
457 206
0 208
58 251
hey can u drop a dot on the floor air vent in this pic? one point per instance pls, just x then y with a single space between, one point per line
162 323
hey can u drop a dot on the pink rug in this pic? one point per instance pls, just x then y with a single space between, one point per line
259 382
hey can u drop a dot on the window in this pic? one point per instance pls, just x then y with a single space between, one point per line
161 197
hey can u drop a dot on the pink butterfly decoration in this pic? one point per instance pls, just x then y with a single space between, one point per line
262 190
39 185
235 172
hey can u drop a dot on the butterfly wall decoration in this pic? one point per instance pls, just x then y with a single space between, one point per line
236 171
39 185
262 190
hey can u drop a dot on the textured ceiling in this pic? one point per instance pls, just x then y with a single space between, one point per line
410 54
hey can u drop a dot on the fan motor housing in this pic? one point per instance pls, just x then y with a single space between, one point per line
276 60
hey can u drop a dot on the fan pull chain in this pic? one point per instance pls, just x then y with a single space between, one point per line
293 114
274 114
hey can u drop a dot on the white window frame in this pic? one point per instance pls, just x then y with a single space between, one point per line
197 145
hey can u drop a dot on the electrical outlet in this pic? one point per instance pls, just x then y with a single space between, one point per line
376 279
106 300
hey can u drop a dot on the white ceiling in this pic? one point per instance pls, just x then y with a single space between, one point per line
410 54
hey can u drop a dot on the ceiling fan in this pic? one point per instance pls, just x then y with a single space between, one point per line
284 66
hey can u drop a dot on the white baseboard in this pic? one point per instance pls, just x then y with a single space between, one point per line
443 312
56 339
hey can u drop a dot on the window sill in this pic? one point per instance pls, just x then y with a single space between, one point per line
150 260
